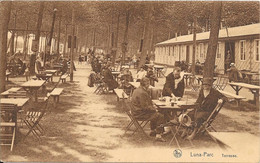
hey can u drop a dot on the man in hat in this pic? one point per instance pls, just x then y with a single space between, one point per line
174 85
207 102
234 74
143 108
140 74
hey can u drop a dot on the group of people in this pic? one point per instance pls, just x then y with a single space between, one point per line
174 87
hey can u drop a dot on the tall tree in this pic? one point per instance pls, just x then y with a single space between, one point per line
213 40
146 34
5 11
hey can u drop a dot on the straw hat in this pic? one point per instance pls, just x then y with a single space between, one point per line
185 120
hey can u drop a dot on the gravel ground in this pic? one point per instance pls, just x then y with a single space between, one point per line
85 127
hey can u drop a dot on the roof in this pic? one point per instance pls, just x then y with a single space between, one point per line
252 29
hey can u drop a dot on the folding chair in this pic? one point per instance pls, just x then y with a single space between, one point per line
195 86
32 120
139 123
221 82
8 124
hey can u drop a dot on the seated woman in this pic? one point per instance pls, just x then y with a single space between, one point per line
108 78
125 78
140 74
207 101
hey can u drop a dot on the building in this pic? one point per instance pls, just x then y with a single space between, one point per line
242 43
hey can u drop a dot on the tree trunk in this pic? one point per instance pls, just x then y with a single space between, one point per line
194 44
51 35
146 35
25 41
65 44
213 40
72 46
39 23
115 41
124 44
5 11
13 35
58 46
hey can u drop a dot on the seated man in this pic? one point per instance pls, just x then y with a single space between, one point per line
207 102
143 108
151 76
233 73
174 85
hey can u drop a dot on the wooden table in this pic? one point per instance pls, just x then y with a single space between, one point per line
237 86
158 69
50 71
137 84
249 75
178 105
9 91
32 86
20 102
44 76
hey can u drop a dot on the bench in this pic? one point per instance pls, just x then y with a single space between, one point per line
120 94
63 78
233 96
56 94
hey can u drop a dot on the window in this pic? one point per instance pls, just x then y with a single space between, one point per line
242 50
201 50
173 51
218 51
257 50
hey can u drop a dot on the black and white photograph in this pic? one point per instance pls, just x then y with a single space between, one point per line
129 81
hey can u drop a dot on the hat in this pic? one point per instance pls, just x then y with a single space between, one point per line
184 119
207 81
232 64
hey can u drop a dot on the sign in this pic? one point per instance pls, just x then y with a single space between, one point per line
35 45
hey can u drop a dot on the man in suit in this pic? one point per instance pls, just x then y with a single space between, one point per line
174 85
143 108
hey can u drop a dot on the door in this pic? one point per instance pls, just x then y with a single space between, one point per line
229 54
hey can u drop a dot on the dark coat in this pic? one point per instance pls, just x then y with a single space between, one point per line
108 79
170 87
209 103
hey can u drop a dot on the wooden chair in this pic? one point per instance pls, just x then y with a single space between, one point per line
32 120
221 82
8 124
195 86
